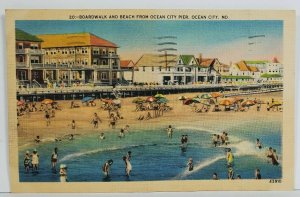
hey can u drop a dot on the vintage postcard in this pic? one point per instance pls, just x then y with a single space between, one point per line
150 100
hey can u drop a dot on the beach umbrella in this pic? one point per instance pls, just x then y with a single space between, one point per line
196 100
237 99
182 98
216 94
225 102
150 99
205 96
19 103
159 96
87 99
188 102
47 101
205 102
108 101
162 100
248 103
138 100
275 103
116 102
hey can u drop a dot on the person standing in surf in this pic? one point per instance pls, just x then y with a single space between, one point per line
106 167
35 160
229 158
230 173
63 174
170 131
257 174
47 116
54 158
258 144
27 162
190 164
215 176
128 166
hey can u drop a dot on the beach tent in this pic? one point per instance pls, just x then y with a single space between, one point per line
47 101
87 99
188 102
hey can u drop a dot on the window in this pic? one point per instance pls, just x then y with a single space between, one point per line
152 68
104 76
20 46
143 68
160 68
34 46
114 75
95 61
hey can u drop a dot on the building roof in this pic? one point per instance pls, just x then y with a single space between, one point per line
207 62
256 61
24 36
186 59
126 64
242 66
155 60
275 60
73 40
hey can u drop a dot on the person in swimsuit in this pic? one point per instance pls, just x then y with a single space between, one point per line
47 116
170 131
128 166
121 134
95 120
73 125
229 158
63 173
106 167
190 164
258 144
27 162
230 173
275 158
37 139
128 155
257 174
54 158
215 176
102 137
215 140
35 160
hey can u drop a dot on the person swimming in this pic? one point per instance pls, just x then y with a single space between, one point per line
126 129
273 158
215 140
258 144
215 176
128 155
63 173
190 164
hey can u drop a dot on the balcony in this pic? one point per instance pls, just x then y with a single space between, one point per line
50 66
20 51
37 65
59 66
30 51
101 66
21 65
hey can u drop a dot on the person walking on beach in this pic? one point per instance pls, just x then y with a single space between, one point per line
96 120
63 173
73 125
257 174
113 121
37 139
54 158
106 167
128 166
190 164
47 116
35 160
229 158
27 162
170 131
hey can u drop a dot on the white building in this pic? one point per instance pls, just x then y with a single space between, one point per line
182 69
241 72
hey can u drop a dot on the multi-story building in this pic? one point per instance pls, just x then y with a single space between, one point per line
29 55
80 57
128 65
181 69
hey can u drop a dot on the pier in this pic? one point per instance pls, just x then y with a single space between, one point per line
98 92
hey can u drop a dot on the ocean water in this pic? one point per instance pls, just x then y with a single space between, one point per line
156 157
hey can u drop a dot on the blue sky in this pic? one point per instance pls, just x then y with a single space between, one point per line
227 40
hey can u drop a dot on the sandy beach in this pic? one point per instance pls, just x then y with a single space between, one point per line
34 123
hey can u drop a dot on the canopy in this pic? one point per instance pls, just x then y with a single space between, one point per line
47 101
138 100
87 99
248 103
162 100
187 101
216 94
